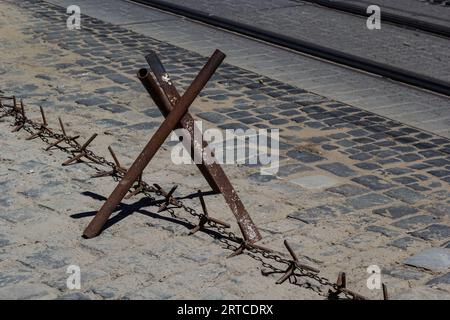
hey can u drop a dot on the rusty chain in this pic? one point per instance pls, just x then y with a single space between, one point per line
228 238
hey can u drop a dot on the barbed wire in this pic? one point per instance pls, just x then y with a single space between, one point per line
224 236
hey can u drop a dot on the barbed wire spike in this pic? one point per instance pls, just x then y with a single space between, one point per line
385 292
81 152
341 287
117 168
205 218
138 188
8 112
20 116
64 137
43 127
169 199
292 266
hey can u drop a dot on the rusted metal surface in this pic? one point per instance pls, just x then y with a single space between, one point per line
43 126
81 152
115 170
205 218
385 292
20 116
157 139
64 137
341 287
169 198
212 172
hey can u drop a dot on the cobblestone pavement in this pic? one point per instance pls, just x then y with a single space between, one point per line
414 107
393 45
354 189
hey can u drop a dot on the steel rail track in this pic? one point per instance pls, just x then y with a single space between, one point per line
312 49
392 18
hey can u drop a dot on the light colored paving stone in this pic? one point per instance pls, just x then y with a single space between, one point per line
315 182
433 259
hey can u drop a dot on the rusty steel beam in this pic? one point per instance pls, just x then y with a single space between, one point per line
187 122
102 216
212 172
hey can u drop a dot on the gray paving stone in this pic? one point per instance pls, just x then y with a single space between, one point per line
439 173
348 190
396 211
421 293
239 114
4 186
110 89
213 117
414 222
373 182
110 122
5 202
314 182
437 209
434 259
368 166
25 291
404 243
410 157
19 215
143 126
405 180
293 168
312 215
418 187
31 165
346 143
384 231
114 108
338 169
74 296
305 156
250 120
50 258
405 194
402 273
233 126
4 241
118 78
261 178
444 279
433 232
153 112
368 201
93 101
13 277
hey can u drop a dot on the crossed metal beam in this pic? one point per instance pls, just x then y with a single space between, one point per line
175 109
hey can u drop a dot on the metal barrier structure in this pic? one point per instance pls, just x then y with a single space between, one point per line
174 108
176 116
